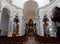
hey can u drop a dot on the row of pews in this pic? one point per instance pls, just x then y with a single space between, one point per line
23 39
48 40
12 40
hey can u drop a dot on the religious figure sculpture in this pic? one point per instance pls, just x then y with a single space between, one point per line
46 26
16 26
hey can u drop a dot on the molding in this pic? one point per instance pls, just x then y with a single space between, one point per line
48 4
13 5
39 7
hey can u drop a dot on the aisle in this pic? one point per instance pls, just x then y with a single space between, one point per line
31 40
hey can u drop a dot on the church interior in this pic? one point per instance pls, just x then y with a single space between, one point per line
29 22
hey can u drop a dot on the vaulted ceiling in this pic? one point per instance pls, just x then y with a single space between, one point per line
20 3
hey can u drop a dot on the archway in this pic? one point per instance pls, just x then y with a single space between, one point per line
5 21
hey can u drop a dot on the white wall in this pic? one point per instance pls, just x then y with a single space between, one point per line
13 10
48 11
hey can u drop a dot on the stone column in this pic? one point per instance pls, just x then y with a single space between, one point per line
23 26
20 26
0 15
0 21
10 28
0 4
41 14
0 11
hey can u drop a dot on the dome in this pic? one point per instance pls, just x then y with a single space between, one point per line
30 9
41 3
31 3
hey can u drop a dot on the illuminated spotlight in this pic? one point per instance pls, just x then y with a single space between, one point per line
52 17
50 29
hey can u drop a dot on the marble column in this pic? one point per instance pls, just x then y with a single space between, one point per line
0 21
10 28
0 15
21 26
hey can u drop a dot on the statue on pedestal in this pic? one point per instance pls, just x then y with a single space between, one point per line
46 26
16 26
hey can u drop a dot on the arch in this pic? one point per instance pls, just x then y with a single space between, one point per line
7 8
5 21
39 8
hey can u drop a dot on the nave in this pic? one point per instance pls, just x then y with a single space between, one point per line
29 39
